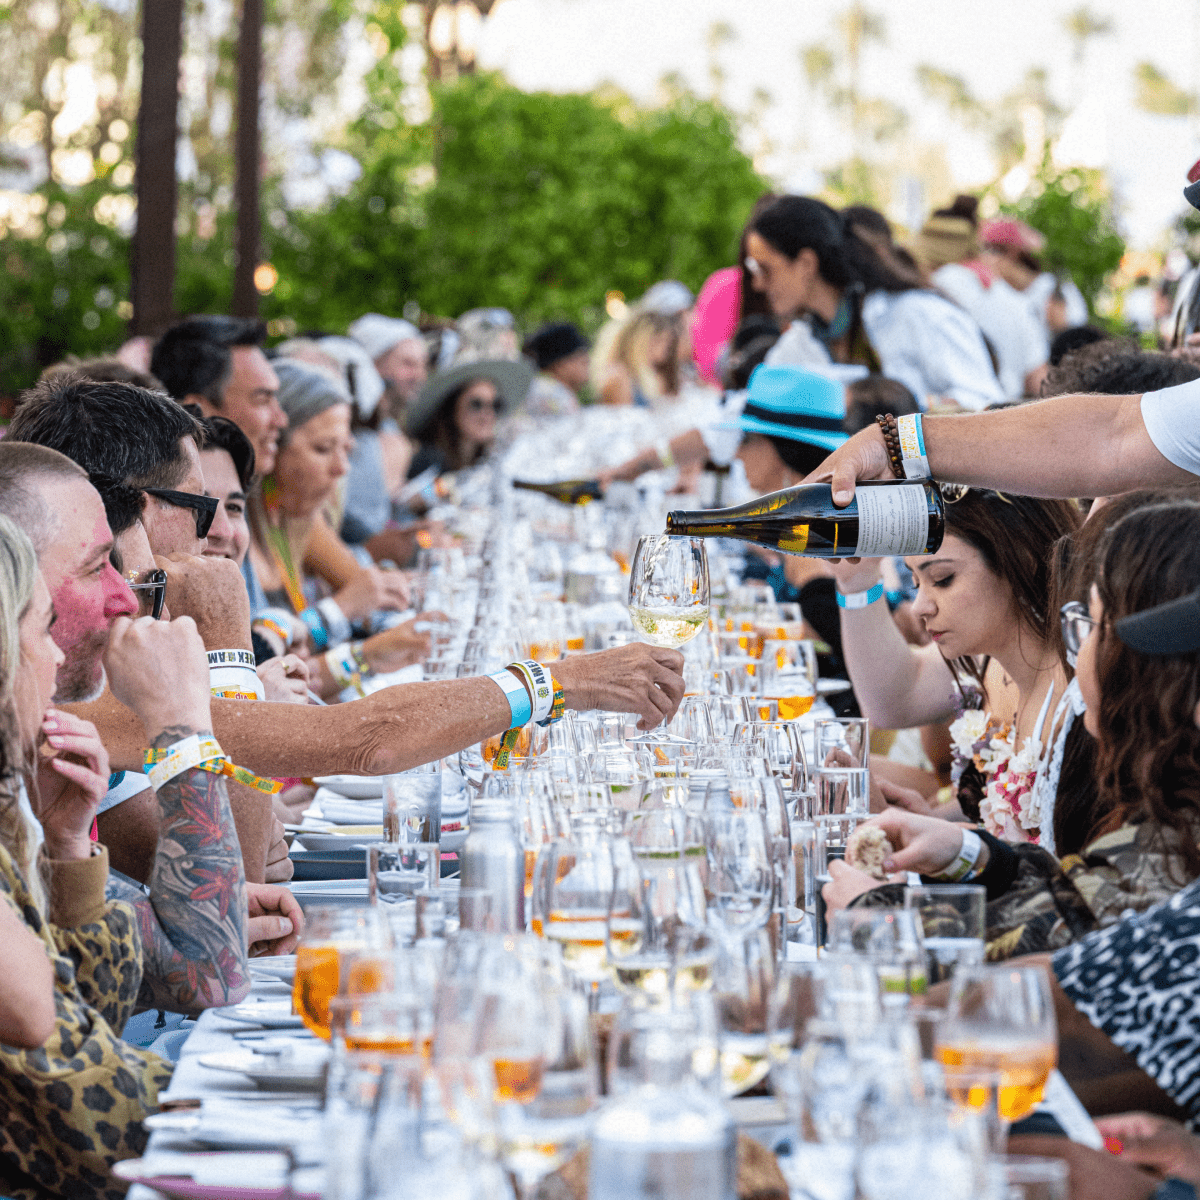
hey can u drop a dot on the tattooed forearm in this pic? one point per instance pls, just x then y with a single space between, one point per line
193 923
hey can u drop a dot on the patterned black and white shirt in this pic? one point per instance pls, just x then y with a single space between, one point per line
1139 983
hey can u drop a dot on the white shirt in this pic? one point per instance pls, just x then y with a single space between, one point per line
1003 315
1172 419
932 347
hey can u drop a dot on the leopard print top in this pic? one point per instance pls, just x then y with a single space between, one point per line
74 1106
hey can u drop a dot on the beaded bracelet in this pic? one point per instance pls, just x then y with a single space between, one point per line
891 443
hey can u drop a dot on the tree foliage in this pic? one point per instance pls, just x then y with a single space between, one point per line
536 202
1073 211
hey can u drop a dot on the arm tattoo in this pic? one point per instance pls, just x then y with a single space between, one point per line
194 922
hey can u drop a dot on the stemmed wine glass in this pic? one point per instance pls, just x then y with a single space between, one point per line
668 589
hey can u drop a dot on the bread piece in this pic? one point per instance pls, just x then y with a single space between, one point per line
867 850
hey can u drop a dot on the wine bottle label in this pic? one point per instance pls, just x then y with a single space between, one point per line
892 520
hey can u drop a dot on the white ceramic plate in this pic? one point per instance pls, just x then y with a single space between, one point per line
357 787
266 1014
347 837
301 1072
278 966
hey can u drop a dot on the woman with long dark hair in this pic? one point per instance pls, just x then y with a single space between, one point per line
808 261
1142 694
992 665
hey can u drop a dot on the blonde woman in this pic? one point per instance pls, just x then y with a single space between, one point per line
638 359
74 1106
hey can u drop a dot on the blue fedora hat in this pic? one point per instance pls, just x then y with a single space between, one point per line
790 402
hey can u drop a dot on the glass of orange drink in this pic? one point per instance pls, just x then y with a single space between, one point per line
337 941
1001 1019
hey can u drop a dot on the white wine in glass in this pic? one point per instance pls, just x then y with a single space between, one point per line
668 589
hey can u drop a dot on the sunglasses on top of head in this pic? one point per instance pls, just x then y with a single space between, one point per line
204 507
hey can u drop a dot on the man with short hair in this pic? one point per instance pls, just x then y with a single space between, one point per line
194 958
136 441
218 363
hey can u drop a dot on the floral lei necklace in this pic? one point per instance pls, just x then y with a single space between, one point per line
1009 809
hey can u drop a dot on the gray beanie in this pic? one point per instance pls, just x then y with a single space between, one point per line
306 391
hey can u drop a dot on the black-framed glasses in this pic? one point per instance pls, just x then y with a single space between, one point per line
205 507
154 582
1076 624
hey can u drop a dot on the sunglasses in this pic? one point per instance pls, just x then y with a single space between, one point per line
1076 626
478 404
154 582
205 507
952 493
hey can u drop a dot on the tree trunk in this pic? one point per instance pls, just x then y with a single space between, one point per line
152 254
248 158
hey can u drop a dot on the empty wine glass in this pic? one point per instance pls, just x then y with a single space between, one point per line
741 877
668 589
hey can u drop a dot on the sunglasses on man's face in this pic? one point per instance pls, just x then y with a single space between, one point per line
151 589
205 507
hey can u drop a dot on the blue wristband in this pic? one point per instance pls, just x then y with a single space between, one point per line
316 627
859 599
520 710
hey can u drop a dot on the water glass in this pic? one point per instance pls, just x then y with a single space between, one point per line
1029 1178
851 735
891 938
412 805
397 871
843 790
741 877
953 918
744 982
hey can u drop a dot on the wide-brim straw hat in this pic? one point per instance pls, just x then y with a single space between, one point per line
511 377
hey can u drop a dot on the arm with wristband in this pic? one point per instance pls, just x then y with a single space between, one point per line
1065 446
897 685
405 725
194 922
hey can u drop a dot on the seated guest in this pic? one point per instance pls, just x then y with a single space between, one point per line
454 417
297 558
218 364
142 440
75 1106
561 354
1143 823
400 356
50 498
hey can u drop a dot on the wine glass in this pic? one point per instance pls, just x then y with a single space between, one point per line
741 875
536 1136
1001 1018
668 589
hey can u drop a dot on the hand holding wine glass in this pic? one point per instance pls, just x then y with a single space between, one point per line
668 589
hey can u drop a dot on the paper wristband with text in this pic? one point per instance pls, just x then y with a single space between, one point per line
912 446
206 754
335 620
316 627
859 599
963 866
541 686
519 708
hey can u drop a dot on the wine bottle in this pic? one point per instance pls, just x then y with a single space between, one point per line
568 491
888 517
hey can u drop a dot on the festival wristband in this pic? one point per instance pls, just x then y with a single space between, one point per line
912 446
962 869
859 599
316 627
235 683
232 658
519 707
335 620
205 754
277 623
541 686
347 665
558 705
